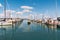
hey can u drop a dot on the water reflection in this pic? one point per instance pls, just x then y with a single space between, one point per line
52 31
14 28
51 27
8 32
2 33
34 30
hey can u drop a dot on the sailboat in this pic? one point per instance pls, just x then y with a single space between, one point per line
5 21
58 25
53 21
58 18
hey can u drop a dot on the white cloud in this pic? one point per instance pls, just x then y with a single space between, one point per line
0 5
26 7
26 10
19 13
31 16
13 16
47 16
1 15
10 11
41 14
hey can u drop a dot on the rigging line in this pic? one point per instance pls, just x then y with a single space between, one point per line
8 5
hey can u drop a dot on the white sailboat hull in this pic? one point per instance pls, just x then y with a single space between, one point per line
5 23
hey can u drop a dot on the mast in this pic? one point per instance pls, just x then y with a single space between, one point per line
56 8
4 9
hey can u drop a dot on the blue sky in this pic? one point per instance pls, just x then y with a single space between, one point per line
47 7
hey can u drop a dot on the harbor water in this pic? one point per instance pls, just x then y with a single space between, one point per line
33 31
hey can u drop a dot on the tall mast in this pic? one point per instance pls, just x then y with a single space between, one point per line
5 9
56 8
